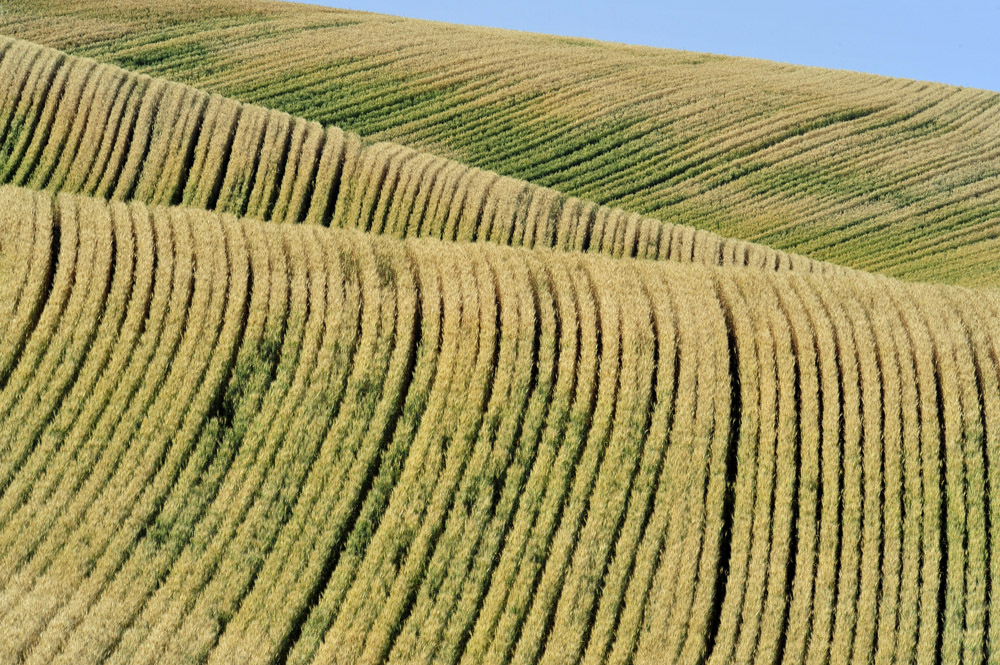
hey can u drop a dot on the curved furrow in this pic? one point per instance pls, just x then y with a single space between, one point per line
268 500
931 437
442 313
110 155
611 617
478 217
240 523
966 548
714 420
211 153
425 198
14 67
17 246
65 295
476 494
841 402
394 181
548 318
117 606
283 325
165 187
975 425
819 445
241 161
88 467
302 159
329 591
105 96
766 502
899 428
33 558
793 530
504 195
117 568
673 370
573 614
880 644
558 450
353 204
855 347
399 208
144 487
527 624
64 102
152 125
979 315
899 643
77 411
228 440
413 517
339 478
872 458
271 172
484 400
103 289
29 250
951 613
744 359
46 72
337 162
456 206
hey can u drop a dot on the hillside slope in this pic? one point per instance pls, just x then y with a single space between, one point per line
70 124
227 441
881 174
276 392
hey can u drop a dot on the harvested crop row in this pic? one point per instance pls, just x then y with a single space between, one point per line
111 133
227 440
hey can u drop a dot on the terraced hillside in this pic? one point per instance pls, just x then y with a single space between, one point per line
227 441
889 175
71 124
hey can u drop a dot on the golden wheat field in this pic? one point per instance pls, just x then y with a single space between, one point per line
332 337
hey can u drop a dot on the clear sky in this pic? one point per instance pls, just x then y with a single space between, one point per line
952 41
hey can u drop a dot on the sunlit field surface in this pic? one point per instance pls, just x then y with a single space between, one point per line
330 337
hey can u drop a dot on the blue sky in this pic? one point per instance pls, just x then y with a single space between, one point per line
955 41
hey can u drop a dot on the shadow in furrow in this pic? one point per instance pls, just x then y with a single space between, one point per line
177 196
284 647
41 299
501 482
729 499
793 535
243 203
942 512
648 504
219 176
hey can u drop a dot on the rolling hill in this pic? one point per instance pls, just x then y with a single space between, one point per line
887 175
70 124
329 337
228 441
